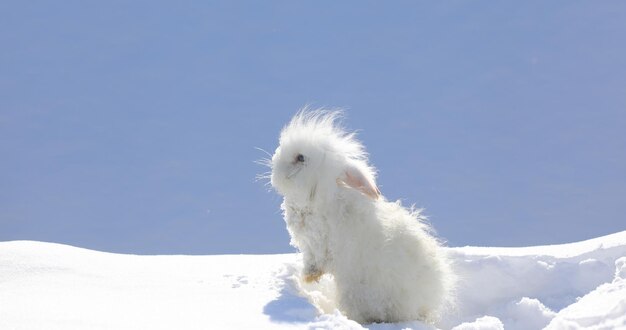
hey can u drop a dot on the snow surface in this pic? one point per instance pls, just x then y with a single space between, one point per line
53 286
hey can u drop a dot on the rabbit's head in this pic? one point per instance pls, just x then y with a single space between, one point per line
315 157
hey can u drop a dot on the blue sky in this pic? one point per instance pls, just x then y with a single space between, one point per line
132 126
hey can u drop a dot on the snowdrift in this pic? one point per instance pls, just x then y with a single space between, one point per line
53 286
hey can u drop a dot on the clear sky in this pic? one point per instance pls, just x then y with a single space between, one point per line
131 126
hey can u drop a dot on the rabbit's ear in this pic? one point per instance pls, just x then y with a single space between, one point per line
354 178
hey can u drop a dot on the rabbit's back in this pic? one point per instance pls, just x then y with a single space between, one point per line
393 269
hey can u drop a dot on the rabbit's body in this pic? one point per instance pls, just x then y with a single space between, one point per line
386 265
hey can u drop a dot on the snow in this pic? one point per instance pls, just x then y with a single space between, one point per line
53 286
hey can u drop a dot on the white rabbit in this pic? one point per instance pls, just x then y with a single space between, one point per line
385 264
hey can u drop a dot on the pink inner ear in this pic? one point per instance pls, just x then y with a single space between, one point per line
356 180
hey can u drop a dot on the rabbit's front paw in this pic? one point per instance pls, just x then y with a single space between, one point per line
312 275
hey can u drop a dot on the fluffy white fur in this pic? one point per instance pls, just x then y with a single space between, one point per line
386 265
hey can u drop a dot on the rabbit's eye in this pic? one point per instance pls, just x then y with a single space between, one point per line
300 158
